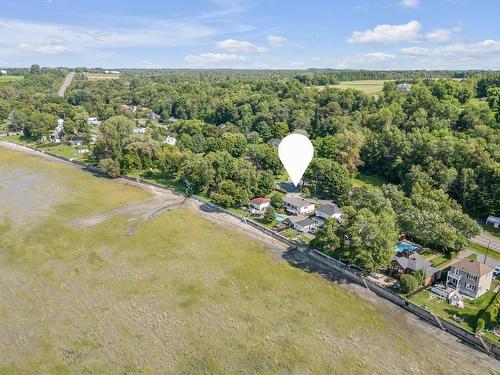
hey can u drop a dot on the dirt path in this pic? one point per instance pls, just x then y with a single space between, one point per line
67 81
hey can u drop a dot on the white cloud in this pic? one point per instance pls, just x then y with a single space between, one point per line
379 56
49 38
49 49
275 40
441 35
239 46
388 33
204 59
486 47
409 3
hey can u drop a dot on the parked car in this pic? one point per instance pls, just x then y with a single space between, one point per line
496 271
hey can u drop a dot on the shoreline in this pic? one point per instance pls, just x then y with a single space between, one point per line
280 252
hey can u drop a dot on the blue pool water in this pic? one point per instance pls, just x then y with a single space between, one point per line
280 218
400 246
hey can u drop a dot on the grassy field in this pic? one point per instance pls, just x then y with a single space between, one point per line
176 294
101 76
60 149
9 79
367 86
368 180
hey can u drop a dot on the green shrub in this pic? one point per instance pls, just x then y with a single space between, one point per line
489 314
408 283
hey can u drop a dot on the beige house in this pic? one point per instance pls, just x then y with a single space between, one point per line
470 277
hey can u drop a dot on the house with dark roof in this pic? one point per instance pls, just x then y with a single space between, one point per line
409 262
470 277
493 221
305 225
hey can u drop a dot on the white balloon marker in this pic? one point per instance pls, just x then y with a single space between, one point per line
296 152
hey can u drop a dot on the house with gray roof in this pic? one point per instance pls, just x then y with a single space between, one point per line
470 277
328 211
409 262
297 205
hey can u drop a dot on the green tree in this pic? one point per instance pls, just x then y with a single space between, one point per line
35 69
269 215
408 283
114 136
329 178
110 167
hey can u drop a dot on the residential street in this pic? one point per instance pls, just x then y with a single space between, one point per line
484 238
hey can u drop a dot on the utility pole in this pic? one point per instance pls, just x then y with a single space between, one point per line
487 251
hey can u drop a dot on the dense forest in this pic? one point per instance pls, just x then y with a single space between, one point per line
436 145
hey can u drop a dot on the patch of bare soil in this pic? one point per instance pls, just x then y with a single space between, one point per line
161 201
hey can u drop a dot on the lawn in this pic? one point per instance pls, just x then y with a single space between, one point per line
368 180
174 294
493 231
367 86
101 76
10 79
59 149
483 250
470 311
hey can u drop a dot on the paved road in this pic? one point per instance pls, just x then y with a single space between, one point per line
67 81
484 238
480 258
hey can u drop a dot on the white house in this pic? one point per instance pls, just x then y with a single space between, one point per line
82 150
153 116
405 87
493 221
172 120
305 225
298 205
260 204
3 72
329 211
170 141
93 121
139 130
58 131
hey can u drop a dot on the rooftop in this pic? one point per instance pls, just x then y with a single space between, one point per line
329 209
296 201
260 200
472 267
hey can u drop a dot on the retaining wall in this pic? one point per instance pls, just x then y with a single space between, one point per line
468 337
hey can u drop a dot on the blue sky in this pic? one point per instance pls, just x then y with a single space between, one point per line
293 34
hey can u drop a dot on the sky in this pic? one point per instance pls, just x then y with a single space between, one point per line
255 34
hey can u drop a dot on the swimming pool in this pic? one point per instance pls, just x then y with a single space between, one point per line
403 245
279 218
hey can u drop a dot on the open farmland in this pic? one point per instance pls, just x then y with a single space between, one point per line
9 79
367 86
101 76
97 276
